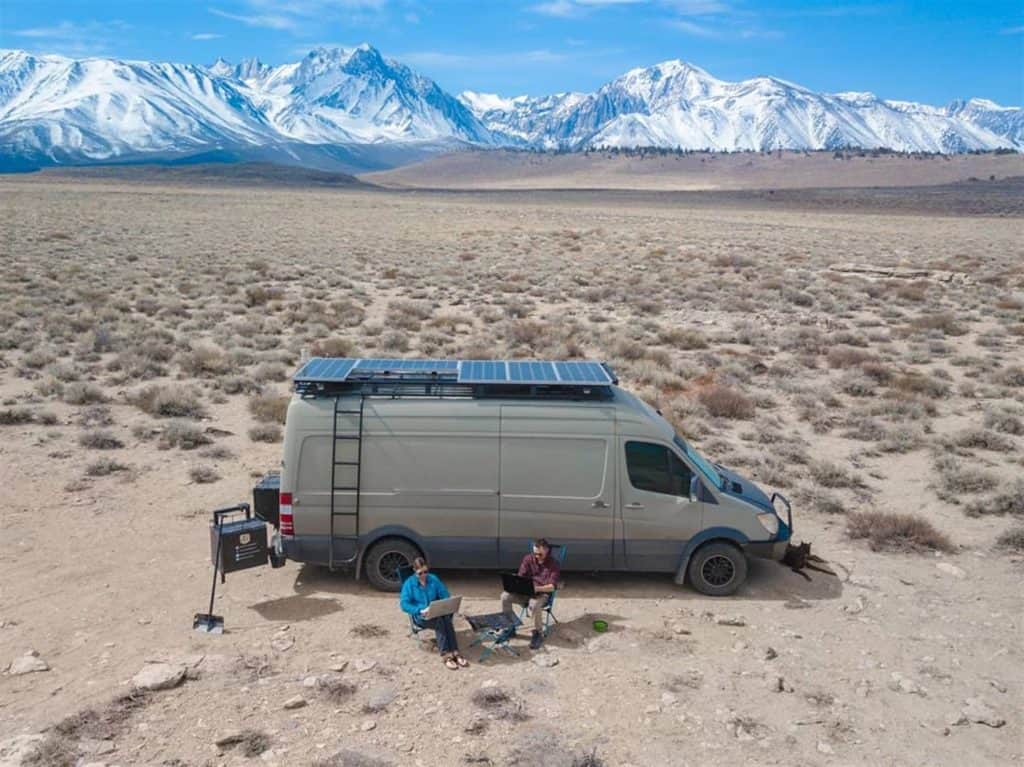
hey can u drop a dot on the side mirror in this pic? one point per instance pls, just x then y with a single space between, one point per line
694 488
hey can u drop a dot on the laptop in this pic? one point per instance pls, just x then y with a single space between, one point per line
517 584
441 607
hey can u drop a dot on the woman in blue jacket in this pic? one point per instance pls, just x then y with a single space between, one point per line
419 590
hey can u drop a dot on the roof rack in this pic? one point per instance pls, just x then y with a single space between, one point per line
536 379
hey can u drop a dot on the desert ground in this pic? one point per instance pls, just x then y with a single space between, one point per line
865 359
666 171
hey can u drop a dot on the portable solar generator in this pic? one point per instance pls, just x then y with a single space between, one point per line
237 542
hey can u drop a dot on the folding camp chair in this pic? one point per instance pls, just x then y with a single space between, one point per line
404 573
559 553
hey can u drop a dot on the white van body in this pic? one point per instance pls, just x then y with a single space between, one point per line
469 482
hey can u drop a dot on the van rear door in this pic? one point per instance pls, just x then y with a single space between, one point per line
657 514
557 481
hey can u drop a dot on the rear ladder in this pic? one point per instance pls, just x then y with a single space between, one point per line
335 463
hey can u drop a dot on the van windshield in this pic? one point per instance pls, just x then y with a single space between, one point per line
705 467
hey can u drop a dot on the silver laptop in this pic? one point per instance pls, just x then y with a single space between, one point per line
440 607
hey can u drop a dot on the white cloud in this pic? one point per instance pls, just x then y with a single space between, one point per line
302 16
205 36
70 38
558 8
264 20
692 28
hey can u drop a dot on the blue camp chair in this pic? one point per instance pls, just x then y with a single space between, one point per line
559 553
404 573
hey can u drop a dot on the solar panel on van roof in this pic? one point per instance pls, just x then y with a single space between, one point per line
531 372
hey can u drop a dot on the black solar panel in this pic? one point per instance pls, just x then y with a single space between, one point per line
532 372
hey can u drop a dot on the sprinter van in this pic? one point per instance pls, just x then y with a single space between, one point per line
465 462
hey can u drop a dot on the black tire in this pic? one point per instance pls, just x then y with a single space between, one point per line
717 569
383 560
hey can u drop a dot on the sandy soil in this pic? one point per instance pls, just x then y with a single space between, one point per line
123 287
698 171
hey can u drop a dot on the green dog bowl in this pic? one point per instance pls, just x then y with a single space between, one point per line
600 626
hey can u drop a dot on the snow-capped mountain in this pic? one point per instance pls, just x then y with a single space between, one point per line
675 104
352 108
56 110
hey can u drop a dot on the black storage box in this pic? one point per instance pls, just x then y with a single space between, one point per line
243 544
266 498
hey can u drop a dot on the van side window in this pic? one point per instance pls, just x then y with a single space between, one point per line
657 469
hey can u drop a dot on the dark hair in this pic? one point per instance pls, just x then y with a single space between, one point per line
542 543
419 563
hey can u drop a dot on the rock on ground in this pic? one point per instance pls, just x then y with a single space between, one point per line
159 676
28 663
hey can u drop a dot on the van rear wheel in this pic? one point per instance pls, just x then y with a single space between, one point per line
384 559
717 569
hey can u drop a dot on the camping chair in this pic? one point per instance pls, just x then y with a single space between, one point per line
559 553
404 573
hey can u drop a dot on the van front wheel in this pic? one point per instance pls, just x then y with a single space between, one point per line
717 569
384 559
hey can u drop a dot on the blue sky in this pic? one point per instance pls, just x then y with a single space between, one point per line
922 51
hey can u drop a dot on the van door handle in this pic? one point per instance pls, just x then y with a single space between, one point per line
634 505
599 504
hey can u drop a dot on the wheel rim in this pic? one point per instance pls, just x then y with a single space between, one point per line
718 570
389 565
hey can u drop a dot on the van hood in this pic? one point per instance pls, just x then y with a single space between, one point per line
740 487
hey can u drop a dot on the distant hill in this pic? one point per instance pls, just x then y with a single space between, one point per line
250 173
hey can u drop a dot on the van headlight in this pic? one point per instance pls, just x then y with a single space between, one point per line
769 522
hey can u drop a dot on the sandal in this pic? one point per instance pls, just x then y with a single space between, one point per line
451 663
461 661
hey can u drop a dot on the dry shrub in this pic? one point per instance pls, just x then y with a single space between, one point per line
169 401
885 531
15 416
205 362
983 439
955 479
100 440
55 750
1011 376
848 356
924 385
682 338
1009 501
1012 539
725 402
333 347
266 432
104 467
501 704
335 689
269 371
203 475
824 503
104 723
369 631
79 393
183 434
1004 421
829 474
257 295
943 322
528 333
270 408
253 742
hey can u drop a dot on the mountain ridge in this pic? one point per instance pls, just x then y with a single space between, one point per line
353 109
